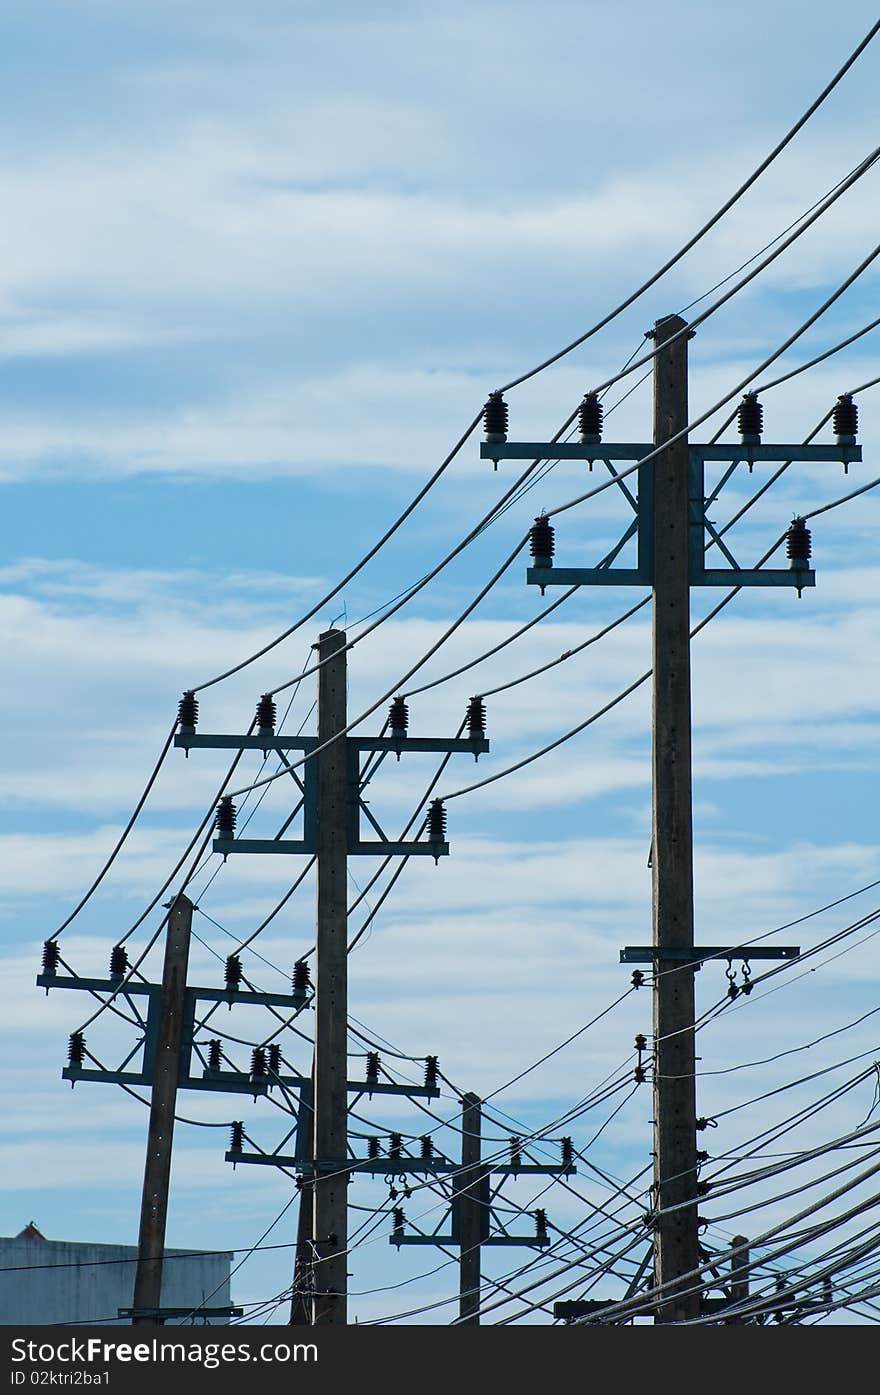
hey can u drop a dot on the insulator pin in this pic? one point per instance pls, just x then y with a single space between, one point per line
750 420
236 1138
845 420
398 1221
567 1154
267 714
541 541
515 1147
798 545
476 721
398 718
188 712
541 1224
435 823
431 1069
395 1142
274 1058
372 1072
224 819
76 1049
372 1146
51 956
232 972
118 961
590 414
496 417
258 1063
426 1147
300 979
214 1054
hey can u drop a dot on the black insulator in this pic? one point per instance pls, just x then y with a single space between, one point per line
798 544
258 1061
703 1188
733 991
372 1067
398 1220
567 1154
76 1049
51 956
431 1072
638 978
515 1146
398 717
224 819
641 1042
232 972
639 1075
798 541
541 544
701 1124
266 714
118 961
395 1142
701 1156
427 1147
274 1058
845 419
476 719
188 710
372 1146
214 1054
436 821
540 1224
750 419
590 414
300 978
236 1136
496 417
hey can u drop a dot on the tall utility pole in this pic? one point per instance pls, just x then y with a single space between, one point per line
673 535
157 1169
330 1190
675 1162
470 1210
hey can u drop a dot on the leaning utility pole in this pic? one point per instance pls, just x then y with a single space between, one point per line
672 862
157 1169
330 1188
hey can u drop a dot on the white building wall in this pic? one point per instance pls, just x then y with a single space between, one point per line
58 1281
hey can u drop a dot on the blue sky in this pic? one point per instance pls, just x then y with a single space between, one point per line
259 272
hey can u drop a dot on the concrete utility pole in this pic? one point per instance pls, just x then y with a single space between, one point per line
470 1210
157 1169
330 1213
675 1177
